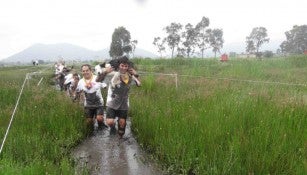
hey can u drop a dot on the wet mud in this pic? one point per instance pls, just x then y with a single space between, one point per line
105 154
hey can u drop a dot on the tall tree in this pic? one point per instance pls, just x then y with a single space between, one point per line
216 40
203 35
190 37
120 42
173 38
250 48
283 47
181 52
159 43
257 37
296 40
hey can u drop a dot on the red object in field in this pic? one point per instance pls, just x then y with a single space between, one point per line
305 52
224 57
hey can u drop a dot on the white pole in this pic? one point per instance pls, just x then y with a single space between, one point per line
40 81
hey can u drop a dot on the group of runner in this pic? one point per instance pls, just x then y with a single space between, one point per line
118 78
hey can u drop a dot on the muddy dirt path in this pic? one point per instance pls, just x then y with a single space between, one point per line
103 154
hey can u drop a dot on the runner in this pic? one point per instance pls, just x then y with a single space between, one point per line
93 103
117 101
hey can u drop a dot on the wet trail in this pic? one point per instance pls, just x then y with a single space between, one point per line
108 155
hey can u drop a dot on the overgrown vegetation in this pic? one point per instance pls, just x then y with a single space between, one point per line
45 127
236 117
239 117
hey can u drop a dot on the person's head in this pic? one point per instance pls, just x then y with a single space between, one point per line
65 70
75 76
123 64
86 70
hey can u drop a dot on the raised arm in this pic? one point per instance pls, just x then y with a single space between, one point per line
135 76
101 76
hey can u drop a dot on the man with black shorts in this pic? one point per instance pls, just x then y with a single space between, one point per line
117 101
93 103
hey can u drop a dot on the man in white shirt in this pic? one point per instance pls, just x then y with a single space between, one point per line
93 103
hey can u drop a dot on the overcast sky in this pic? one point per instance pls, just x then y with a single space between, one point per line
90 23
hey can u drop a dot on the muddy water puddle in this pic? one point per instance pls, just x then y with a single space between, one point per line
105 154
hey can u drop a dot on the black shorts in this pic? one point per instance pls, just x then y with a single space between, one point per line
90 112
112 113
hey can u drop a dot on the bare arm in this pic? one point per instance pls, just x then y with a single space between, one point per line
101 76
135 76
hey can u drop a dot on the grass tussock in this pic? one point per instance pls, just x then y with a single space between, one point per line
204 117
213 123
46 125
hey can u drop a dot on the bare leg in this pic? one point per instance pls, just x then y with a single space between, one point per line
99 118
111 124
121 127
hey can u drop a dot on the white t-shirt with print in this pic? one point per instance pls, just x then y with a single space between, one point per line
93 96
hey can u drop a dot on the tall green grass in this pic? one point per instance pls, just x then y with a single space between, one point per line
46 125
289 69
213 123
224 126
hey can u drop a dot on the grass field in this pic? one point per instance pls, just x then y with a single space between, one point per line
237 117
45 126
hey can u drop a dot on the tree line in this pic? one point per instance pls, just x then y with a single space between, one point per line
296 41
188 40
182 40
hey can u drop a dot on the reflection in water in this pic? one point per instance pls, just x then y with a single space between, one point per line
109 155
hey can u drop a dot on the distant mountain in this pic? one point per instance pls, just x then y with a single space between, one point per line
53 52
144 53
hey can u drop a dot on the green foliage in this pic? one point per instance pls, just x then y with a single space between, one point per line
224 126
159 43
203 34
224 118
299 61
9 167
216 40
173 36
148 84
268 54
190 39
186 41
256 39
296 42
120 42
46 125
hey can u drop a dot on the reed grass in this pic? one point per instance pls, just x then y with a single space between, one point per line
225 126
46 125
214 122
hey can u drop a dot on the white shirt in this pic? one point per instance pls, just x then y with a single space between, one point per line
92 91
